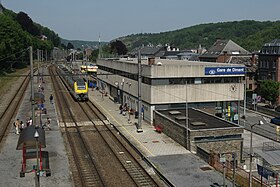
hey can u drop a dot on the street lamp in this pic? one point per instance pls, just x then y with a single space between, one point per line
251 152
118 91
122 83
37 174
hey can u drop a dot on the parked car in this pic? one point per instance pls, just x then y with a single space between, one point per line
275 120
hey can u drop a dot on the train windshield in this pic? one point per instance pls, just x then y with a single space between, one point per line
81 85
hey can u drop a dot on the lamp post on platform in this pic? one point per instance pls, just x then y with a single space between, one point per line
37 171
122 84
118 91
251 152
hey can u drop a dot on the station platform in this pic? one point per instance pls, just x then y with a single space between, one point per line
10 158
177 164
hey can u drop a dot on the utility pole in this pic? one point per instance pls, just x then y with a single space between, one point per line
32 84
139 126
46 54
38 65
187 117
99 47
234 168
245 99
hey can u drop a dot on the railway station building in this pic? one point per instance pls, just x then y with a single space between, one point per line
169 87
171 84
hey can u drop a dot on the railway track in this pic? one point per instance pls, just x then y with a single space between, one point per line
9 112
99 156
84 171
122 150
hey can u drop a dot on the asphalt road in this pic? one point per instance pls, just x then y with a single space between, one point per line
267 129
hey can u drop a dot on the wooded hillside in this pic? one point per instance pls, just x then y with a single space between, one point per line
17 33
249 34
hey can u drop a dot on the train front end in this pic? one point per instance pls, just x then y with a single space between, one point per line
81 90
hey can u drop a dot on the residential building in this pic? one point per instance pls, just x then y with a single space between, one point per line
269 61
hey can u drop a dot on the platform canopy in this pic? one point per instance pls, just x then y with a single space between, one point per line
27 139
39 97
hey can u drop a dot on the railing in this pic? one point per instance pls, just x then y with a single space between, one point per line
241 176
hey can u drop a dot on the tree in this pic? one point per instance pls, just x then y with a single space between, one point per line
269 90
70 45
12 40
118 47
94 55
63 46
27 24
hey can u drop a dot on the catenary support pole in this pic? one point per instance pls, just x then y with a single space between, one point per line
32 84
139 126
187 117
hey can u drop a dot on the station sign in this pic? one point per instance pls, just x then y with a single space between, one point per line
225 70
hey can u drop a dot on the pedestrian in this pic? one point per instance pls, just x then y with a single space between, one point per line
21 126
27 122
142 111
17 125
47 124
30 121
121 109
51 99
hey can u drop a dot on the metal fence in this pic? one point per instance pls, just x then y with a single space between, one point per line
241 176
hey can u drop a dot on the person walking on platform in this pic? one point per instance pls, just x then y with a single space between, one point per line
17 126
21 126
51 99
30 121
121 109
47 124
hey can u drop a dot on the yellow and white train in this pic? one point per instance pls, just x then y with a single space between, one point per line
90 69
77 86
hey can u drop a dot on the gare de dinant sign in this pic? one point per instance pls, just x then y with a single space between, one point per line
225 70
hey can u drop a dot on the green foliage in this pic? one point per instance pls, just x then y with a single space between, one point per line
17 33
269 90
80 43
51 35
70 45
12 39
249 34
94 55
27 24
118 47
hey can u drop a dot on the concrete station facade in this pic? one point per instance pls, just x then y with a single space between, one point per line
170 84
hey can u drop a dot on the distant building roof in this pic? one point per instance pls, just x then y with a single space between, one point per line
273 43
146 51
272 48
221 47
244 60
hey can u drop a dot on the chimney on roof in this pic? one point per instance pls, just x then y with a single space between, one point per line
253 58
151 61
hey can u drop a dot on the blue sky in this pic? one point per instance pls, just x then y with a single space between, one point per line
87 19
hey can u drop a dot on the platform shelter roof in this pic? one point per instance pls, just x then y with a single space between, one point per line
27 139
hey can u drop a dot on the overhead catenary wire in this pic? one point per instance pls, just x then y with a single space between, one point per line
11 55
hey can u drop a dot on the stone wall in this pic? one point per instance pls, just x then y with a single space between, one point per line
171 128
178 133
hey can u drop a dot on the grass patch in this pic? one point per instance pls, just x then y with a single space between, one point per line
9 81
